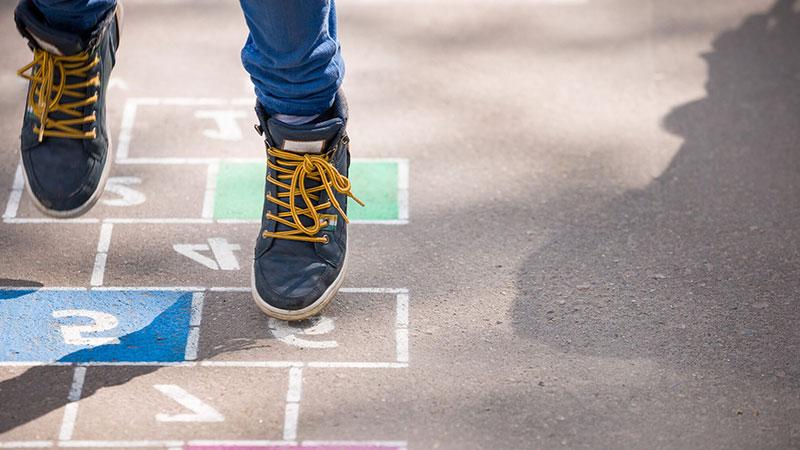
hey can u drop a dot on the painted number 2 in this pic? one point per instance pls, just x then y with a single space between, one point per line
75 334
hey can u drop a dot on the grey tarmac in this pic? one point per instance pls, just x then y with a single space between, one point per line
601 249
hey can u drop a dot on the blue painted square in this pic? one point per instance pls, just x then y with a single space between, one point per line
94 326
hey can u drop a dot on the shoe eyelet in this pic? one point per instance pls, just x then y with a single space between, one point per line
327 239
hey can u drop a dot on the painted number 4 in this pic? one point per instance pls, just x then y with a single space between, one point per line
221 250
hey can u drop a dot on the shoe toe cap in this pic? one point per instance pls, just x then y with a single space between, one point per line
62 178
292 285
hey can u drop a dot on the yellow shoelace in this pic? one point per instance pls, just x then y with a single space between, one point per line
296 169
45 98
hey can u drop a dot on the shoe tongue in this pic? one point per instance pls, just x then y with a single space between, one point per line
33 26
308 138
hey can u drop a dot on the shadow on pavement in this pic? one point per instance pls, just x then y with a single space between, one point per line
14 283
699 270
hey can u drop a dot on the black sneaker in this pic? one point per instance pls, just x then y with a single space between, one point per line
65 144
301 253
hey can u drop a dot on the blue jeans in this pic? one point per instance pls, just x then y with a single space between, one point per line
292 53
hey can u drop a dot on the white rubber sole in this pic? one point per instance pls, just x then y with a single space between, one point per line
79 211
299 314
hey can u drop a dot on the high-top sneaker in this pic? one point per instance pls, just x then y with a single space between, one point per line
301 252
65 144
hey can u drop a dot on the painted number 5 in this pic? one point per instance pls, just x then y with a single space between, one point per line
126 195
74 334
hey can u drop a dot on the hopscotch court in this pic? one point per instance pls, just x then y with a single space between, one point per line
149 331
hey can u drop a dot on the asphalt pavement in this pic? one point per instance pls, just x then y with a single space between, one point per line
582 231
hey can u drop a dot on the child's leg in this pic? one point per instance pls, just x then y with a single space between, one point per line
77 16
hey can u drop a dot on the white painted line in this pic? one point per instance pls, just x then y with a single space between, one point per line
253 443
197 309
99 270
379 222
166 161
138 364
256 364
401 319
103 243
234 160
42 288
372 290
192 344
291 416
33 363
354 443
45 220
352 222
71 409
401 344
293 396
237 221
16 193
77 384
211 190
199 443
26 444
105 237
402 190
181 161
295 392
233 364
230 289
193 340
401 328
157 221
150 288
380 160
126 129
355 365
117 444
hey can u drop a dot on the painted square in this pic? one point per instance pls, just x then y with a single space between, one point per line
365 327
191 404
379 184
94 326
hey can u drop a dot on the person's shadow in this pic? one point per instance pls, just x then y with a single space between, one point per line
700 270
42 389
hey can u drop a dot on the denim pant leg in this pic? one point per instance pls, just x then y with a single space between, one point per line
292 54
76 16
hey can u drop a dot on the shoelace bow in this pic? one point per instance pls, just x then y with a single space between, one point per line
46 97
296 169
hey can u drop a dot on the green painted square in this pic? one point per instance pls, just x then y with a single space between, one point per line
240 191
